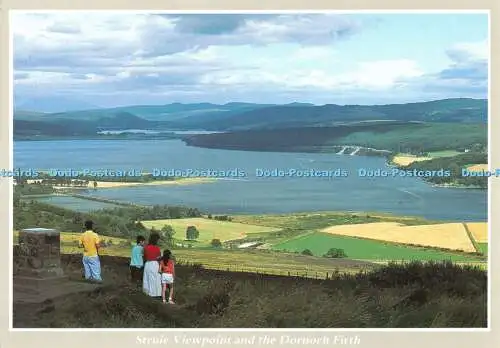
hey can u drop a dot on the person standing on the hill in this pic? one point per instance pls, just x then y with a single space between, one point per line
167 271
137 261
151 281
90 242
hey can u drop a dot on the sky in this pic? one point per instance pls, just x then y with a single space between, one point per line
122 58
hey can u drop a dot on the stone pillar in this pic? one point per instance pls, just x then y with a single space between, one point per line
38 254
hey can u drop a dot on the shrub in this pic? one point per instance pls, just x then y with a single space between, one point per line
216 243
335 253
307 252
192 233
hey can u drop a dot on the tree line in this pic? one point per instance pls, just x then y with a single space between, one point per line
454 165
118 222
84 180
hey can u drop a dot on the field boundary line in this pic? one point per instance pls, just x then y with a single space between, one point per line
407 245
471 237
300 236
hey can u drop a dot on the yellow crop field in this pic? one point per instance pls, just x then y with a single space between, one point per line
478 167
404 160
451 236
479 231
209 229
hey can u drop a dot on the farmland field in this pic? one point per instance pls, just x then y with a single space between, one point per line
209 229
451 236
316 220
479 231
268 262
319 243
483 248
477 167
404 160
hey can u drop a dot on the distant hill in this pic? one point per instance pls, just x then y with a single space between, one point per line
37 128
28 115
54 126
390 136
168 112
245 116
282 116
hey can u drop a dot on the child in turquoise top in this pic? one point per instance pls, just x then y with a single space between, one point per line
137 261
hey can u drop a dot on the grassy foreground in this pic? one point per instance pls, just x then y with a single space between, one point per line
416 295
249 261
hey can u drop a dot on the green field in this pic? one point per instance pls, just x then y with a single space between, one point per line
297 224
319 220
483 248
254 261
360 249
210 229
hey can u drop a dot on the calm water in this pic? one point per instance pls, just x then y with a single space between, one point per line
251 194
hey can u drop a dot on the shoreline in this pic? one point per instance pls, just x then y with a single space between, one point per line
394 163
181 181
458 186
120 184
397 160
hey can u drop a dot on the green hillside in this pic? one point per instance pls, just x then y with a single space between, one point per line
243 116
392 136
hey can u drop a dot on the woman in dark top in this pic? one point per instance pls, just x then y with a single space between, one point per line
151 284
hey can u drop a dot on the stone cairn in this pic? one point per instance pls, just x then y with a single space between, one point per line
38 254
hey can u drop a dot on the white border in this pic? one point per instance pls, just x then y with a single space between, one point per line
11 165
490 166
139 11
167 330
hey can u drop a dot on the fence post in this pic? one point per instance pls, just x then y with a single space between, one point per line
326 276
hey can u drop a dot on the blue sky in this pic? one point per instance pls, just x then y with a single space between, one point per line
112 58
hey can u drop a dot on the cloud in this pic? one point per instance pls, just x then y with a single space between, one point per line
63 28
469 51
306 29
20 76
370 76
216 24
466 75
104 44
151 58
470 62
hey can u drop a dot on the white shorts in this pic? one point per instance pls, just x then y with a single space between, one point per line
167 278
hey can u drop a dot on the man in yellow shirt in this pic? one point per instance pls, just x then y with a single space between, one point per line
90 242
